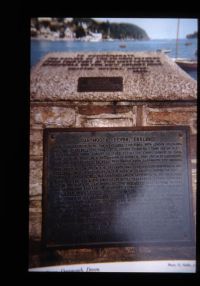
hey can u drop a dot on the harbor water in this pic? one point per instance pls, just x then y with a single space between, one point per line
186 48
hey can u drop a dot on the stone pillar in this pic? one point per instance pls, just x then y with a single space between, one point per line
155 92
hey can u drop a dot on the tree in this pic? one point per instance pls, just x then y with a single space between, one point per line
62 32
192 36
80 32
60 20
104 29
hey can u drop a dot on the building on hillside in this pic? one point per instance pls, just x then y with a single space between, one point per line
69 34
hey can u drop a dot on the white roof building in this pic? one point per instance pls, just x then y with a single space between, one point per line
69 33
44 19
67 20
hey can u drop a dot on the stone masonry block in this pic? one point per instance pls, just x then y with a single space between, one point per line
121 122
44 117
172 116
35 226
35 178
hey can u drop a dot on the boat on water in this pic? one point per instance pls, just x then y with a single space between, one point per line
122 46
94 40
109 37
93 37
163 51
188 44
186 64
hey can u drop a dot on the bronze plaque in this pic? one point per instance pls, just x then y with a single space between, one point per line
117 186
87 84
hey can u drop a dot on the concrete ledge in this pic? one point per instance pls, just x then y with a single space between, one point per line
164 81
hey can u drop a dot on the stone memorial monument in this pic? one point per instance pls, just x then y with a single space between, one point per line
112 159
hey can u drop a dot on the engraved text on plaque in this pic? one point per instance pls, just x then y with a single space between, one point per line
117 186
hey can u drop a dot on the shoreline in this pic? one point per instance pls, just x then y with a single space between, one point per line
53 39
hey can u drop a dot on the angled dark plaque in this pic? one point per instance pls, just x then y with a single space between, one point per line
87 84
116 187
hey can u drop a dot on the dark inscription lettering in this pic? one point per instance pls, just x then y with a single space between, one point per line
104 62
100 84
110 187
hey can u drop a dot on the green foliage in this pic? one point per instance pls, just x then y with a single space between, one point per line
113 30
123 30
62 32
79 32
83 26
192 36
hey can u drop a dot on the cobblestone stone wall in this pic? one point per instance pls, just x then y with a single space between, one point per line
87 114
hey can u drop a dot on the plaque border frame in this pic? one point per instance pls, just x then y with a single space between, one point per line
46 131
120 83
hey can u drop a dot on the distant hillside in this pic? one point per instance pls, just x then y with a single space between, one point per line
112 30
192 36
81 27
124 30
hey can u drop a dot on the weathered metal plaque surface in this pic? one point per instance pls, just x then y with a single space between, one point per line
100 84
117 187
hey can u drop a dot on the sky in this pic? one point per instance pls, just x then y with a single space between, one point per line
160 28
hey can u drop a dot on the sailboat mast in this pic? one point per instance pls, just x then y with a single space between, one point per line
177 35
